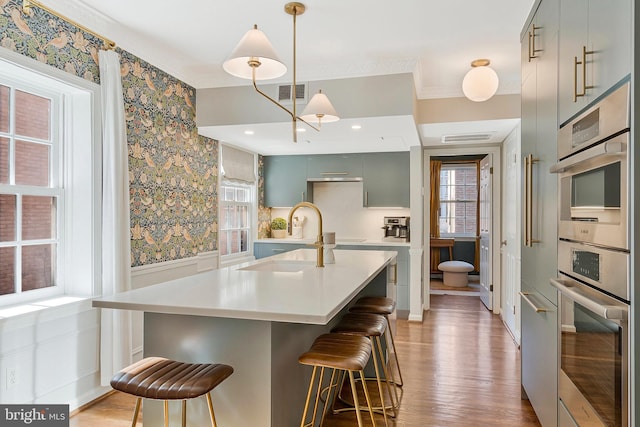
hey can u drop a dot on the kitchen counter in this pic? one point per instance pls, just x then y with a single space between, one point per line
257 317
341 242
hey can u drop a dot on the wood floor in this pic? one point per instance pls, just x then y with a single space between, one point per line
460 368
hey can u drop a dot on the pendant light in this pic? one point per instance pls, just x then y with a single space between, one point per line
254 58
481 82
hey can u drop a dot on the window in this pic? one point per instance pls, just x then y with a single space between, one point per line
458 213
235 218
49 193
30 189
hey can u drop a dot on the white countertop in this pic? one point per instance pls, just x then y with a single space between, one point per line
312 295
340 242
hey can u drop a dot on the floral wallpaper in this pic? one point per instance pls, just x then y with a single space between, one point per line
172 170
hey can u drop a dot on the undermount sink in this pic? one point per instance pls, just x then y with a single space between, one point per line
279 266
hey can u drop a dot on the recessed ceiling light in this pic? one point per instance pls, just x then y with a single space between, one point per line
356 127
248 132
301 130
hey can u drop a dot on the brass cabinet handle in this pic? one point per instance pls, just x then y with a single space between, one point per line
529 48
526 296
583 62
529 160
366 199
532 43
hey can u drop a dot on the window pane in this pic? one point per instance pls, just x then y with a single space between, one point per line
4 108
241 195
244 240
32 164
229 194
37 266
4 161
7 270
38 217
7 218
235 242
224 243
243 216
32 114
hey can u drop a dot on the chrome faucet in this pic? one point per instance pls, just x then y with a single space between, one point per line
319 243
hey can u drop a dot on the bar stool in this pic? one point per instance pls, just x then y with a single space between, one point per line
384 306
372 326
340 353
165 379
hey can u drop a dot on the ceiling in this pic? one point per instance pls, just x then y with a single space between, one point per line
434 40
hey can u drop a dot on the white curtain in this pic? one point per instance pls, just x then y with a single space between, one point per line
115 334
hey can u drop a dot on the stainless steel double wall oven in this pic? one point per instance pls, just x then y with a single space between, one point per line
593 263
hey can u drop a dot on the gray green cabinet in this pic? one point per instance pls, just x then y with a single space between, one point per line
539 126
285 181
595 51
386 179
334 166
263 249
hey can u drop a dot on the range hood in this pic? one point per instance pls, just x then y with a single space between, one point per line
336 178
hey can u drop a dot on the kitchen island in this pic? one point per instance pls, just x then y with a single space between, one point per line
257 317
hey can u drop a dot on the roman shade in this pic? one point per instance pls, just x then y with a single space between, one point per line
237 165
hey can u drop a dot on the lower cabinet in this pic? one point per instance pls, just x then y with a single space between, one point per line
539 356
263 250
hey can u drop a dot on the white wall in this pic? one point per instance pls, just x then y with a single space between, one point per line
342 212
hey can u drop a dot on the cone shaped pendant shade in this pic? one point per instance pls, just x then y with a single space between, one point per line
319 110
254 50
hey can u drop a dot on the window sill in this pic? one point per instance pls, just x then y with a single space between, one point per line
32 312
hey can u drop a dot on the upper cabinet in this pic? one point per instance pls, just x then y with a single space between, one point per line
289 179
595 51
386 179
334 166
285 181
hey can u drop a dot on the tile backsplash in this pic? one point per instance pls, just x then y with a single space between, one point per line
342 212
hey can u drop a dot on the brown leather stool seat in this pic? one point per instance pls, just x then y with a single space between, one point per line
165 379
384 306
340 353
372 326
377 305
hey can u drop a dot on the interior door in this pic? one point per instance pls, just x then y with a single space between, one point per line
510 241
486 282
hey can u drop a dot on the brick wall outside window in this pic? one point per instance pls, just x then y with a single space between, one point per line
32 167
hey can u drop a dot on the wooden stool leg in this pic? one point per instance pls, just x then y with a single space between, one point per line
184 413
166 413
136 411
210 403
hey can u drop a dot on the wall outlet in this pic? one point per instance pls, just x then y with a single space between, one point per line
12 377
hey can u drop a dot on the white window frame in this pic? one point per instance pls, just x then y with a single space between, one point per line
78 169
252 221
54 190
453 202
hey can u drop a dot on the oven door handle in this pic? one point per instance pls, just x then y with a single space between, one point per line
607 148
588 300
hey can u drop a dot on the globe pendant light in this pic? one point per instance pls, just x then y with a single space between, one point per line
481 82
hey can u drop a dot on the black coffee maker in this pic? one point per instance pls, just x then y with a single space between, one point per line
396 228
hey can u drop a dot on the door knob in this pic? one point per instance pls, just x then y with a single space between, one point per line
503 243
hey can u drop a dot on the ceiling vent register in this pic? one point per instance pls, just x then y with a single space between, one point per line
285 93
448 139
